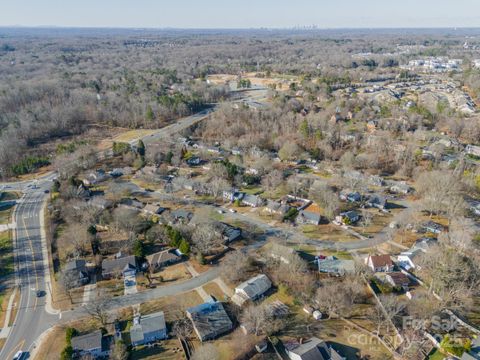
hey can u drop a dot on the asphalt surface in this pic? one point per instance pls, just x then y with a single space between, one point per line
32 318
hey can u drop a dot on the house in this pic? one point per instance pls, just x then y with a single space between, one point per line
307 217
182 215
95 177
252 200
117 172
83 192
100 202
129 203
281 252
76 270
93 345
350 217
349 196
400 187
194 161
209 320
277 309
432 227
376 180
377 201
336 266
233 195
153 209
124 265
398 279
251 289
474 352
311 349
408 259
228 232
472 150
148 328
380 263
162 259
276 207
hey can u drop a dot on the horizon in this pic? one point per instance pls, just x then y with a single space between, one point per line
217 14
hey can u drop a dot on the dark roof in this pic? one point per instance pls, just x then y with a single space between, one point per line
399 278
120 264
312 349
209 320
75 265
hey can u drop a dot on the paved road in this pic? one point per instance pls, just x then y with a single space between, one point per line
32 318
141 297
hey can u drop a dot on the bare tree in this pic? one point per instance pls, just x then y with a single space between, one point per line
99 308
236 266
119 351
322 194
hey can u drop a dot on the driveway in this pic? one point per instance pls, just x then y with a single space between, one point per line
130 283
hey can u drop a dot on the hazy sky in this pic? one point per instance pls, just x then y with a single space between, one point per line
241 13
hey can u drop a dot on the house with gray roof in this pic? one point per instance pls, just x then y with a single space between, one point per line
377 201
252 200
162 259
276 207
76 270
251 289
311 349
119 266
308 217
93 344
336 266
148 328
209 320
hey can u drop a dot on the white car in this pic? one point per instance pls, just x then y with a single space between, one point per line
19 355
232 210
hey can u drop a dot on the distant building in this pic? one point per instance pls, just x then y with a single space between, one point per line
209 320
472 150
148 328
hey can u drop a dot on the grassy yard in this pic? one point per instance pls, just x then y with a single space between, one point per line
326 232
5 214
172 306
167 349
6 254
213 289
9 196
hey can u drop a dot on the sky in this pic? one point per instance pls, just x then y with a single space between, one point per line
241 13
